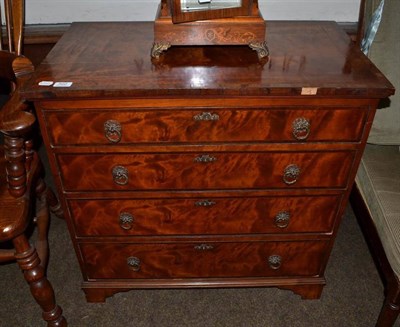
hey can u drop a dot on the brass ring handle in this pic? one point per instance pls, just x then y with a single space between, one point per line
205 158
126 220
275 261
301 128
133 263
205 203
120 175
206 116
291 174
282 219
203 247
113 131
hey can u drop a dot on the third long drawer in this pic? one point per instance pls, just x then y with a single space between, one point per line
204 215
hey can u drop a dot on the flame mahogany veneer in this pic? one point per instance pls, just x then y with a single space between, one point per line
207 167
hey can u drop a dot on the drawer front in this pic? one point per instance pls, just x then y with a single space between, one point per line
182 216
180 260
208 125
204 170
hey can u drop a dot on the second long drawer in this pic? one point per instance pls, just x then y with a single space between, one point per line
215 170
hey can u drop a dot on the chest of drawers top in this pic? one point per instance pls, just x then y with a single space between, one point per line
105 60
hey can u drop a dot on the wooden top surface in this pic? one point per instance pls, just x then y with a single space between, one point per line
112 59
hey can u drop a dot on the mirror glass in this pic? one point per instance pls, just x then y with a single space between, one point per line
202 5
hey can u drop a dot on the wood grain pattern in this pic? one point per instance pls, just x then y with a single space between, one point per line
180 125
234 164
116 63
182 216
180 171
183 260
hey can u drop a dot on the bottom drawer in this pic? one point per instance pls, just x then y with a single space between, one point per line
212 259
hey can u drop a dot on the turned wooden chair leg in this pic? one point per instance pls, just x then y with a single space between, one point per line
51 199
54 204
40 287
42 222
46 200
391 307
42 219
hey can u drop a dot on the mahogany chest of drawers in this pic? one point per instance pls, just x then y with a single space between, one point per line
206 167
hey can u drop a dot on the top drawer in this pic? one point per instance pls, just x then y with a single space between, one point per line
126 126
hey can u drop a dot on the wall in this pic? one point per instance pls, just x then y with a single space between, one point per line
62 11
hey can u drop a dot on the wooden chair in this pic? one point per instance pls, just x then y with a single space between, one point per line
22 190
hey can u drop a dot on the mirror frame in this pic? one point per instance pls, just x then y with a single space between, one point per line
179 16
